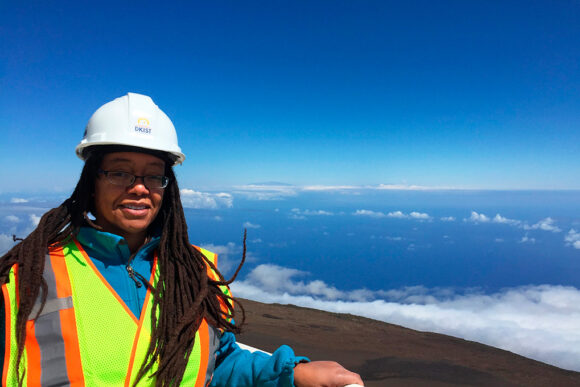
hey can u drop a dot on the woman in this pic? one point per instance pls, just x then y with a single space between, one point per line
108 290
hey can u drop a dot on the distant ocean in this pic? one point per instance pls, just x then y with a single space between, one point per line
388 239
499 267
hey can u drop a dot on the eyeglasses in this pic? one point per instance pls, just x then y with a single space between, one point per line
125 179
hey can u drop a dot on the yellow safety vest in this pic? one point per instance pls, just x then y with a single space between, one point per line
86 335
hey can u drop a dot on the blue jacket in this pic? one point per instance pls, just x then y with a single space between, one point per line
235 367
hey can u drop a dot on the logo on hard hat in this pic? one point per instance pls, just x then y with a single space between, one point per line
143 126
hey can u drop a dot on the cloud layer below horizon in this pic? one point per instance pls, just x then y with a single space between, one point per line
539 322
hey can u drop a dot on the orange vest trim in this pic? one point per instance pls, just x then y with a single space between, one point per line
33 356
105 282
8 327
52 350
67 320
204 343
140 326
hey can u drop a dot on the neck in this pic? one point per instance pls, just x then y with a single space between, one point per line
135 242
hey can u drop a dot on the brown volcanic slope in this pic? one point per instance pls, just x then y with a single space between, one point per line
390 355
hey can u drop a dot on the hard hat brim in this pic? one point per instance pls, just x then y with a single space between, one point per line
83 151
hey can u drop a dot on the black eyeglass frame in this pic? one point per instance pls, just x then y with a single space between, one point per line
164 179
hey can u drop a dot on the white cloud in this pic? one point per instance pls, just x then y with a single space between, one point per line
276 279
526 239
18 200
501 219
266 191
419 215
299 212
448 219
383 187
540 322
196 199
229 256
477 218
546 224
573 238
34 219
372 214
278 245
498 240
12 219
330 187
394 214
403 187
6 243
251 225
412 215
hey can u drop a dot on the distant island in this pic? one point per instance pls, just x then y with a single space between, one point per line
270 183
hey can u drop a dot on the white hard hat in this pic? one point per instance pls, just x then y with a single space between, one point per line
131 120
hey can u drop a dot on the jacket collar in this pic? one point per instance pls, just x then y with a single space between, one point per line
112 249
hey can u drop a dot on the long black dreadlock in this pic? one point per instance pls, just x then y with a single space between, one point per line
184 296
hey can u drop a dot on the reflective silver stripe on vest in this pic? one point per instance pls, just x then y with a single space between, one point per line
214 344
52 305
48 331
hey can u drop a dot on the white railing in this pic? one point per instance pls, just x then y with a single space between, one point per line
251 349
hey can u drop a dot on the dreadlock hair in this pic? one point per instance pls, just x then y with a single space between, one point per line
184 294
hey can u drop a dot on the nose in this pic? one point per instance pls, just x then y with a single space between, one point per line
138 186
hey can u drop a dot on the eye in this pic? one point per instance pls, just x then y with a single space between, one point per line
155 181
118 174
120 178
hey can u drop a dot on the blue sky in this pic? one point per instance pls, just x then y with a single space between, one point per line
450 94
358 110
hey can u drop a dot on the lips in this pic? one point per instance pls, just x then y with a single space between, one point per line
135 209
135 206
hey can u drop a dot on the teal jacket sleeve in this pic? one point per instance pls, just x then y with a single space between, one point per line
237 367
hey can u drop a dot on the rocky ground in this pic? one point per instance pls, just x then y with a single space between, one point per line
390 355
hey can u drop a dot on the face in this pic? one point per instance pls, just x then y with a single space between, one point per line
128 211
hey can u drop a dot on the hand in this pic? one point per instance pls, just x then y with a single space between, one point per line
324 374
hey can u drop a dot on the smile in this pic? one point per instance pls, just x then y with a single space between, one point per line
135 207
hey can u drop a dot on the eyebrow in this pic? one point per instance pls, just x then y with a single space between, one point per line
122 160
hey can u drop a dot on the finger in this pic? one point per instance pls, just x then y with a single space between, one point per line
353 380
